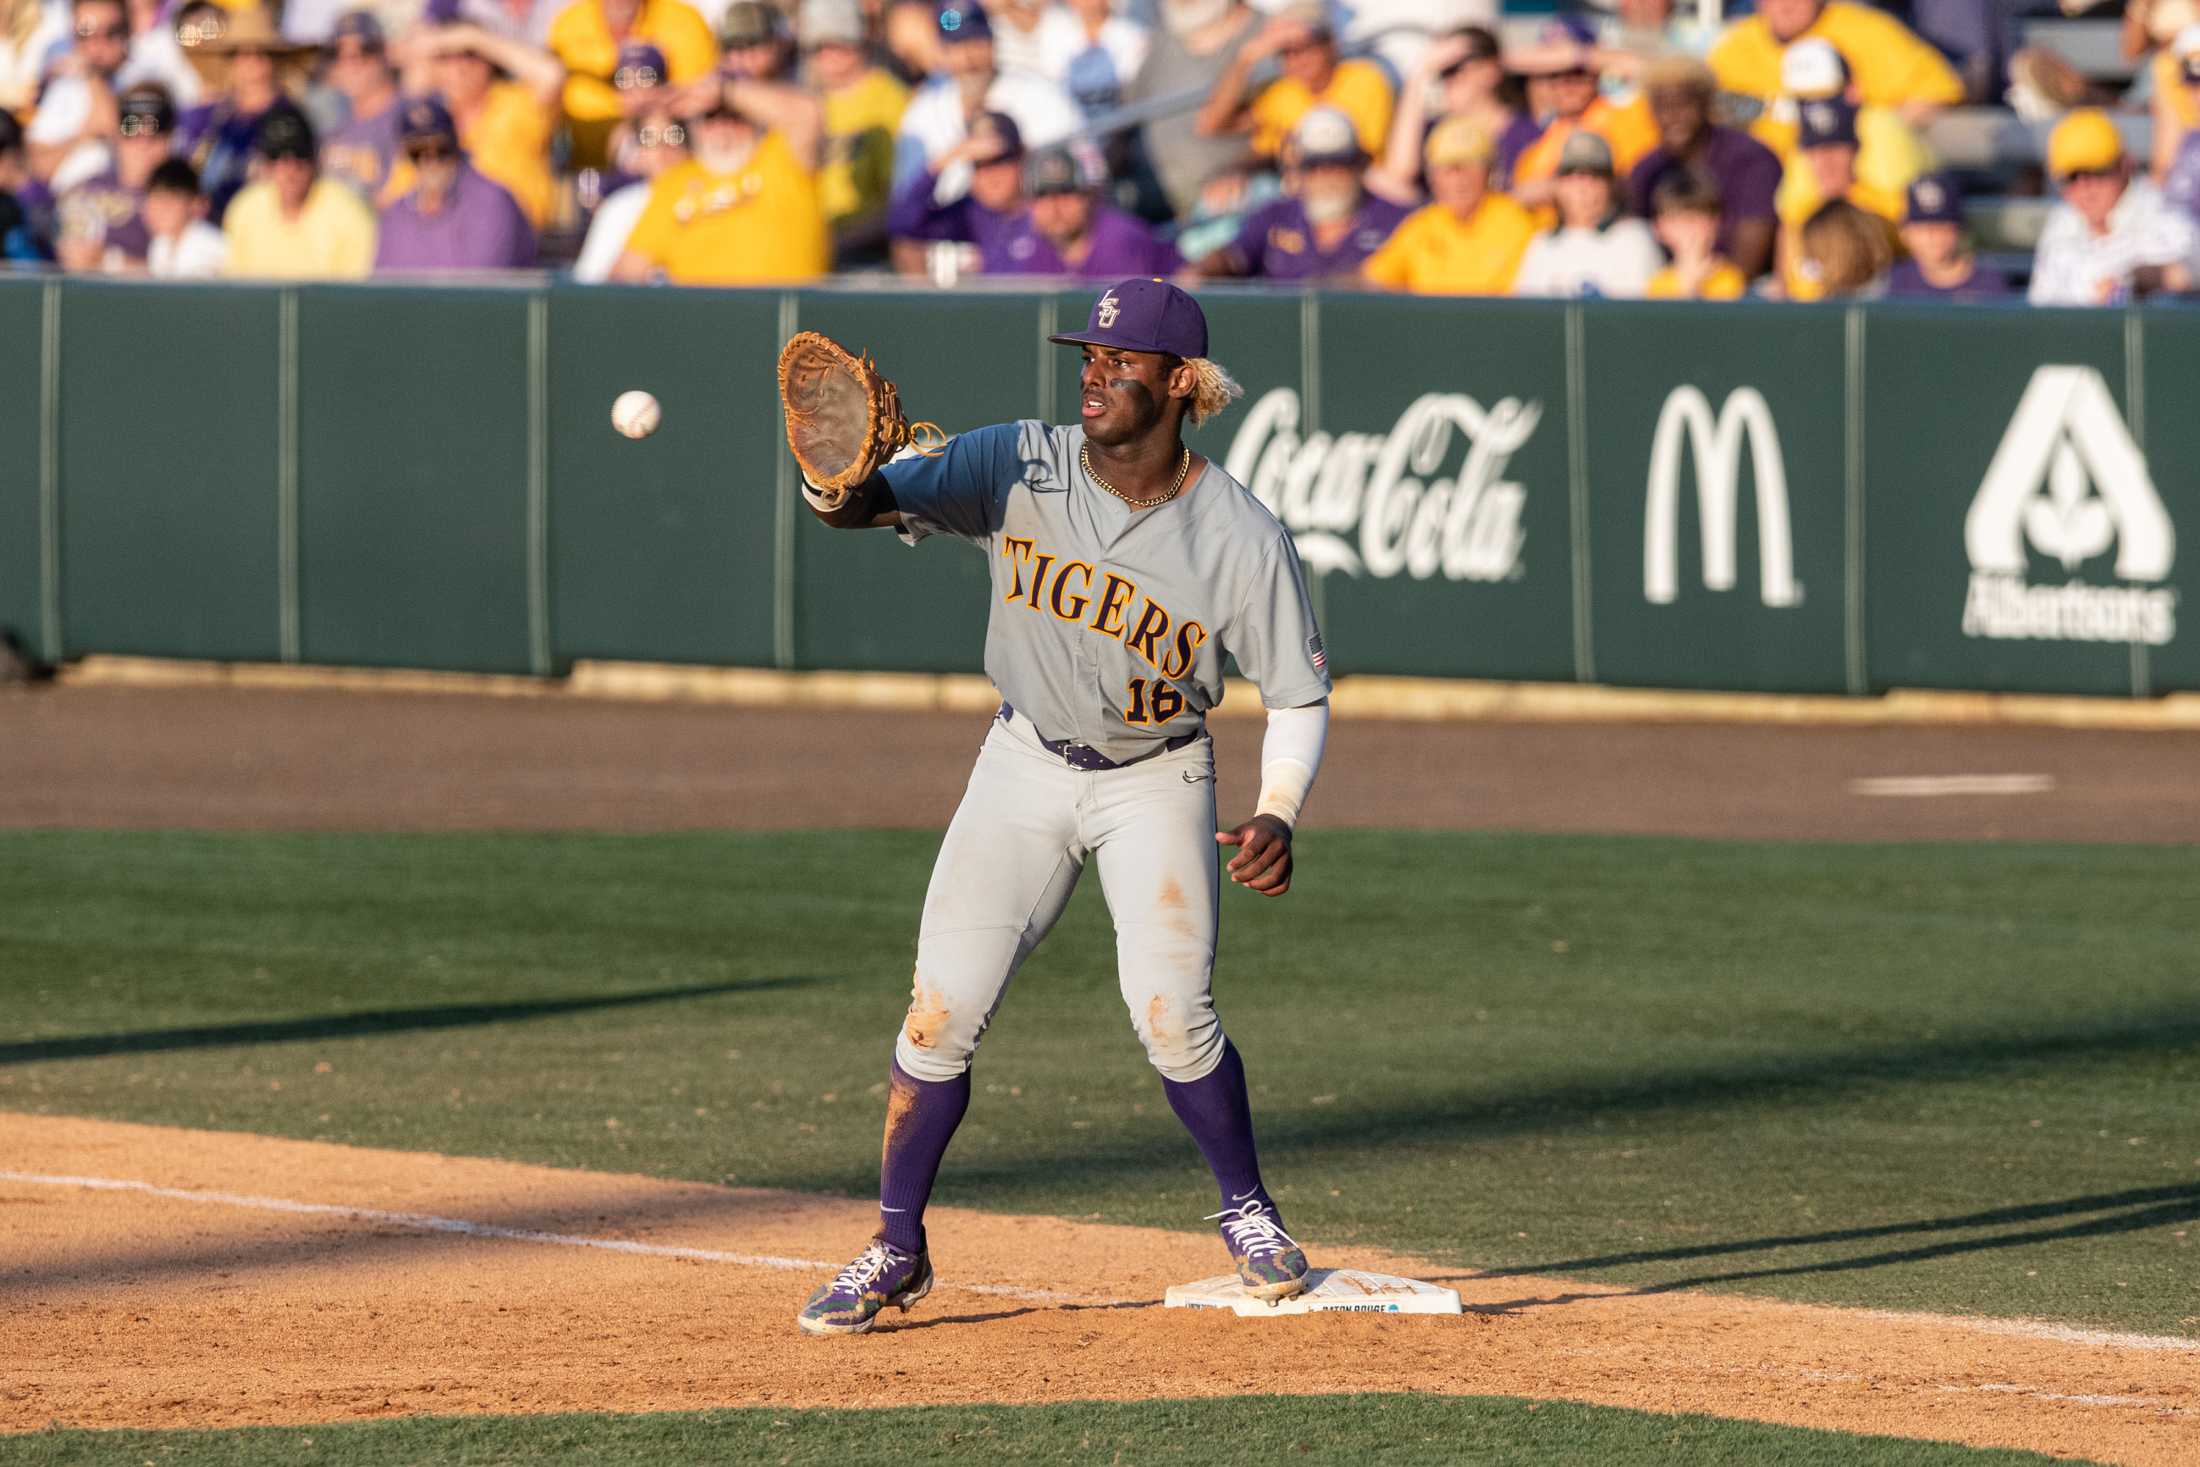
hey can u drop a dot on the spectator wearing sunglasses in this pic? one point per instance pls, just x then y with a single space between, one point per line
655 143
362 151
1301 38
1458 75
1563 78
586 38
744 209
452 218
102 220
502 95
293 224
2113 237
69 135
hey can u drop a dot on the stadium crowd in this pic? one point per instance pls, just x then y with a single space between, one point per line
1392 144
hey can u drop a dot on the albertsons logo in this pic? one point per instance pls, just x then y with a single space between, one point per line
2069 482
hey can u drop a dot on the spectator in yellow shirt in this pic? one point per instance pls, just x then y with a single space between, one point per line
863 107
1469 240
1889 154
1687 210
1895 67
1301 38
503 94
744 210
586 37
1562 66
294 224
1827 147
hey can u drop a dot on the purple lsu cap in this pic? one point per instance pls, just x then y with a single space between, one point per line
1146 314
1934 199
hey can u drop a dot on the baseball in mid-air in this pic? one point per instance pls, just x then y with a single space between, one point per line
636 414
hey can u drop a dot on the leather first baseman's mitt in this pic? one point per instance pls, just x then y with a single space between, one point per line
843 418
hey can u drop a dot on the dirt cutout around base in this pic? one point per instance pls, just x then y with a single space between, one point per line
239 1280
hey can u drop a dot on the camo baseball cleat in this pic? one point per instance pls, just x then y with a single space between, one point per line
1269 1262
880 1275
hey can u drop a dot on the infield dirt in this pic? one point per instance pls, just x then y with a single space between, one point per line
135 1308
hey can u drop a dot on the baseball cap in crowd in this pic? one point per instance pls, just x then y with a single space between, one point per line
964 20
2186 48
284 132
2085 141
640 66
1563 43
1312 14
1585 152
424 120
1812 69
1146 314
146 110
830 23
1933 199
1826 124
1458 140
1052 171
998 137
749 23
362 26
1325 135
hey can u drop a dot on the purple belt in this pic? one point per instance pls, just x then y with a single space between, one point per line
1084 756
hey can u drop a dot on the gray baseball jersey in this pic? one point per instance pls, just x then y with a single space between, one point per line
1110 624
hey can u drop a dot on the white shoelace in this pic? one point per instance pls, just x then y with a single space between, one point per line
1253 1230
865 1271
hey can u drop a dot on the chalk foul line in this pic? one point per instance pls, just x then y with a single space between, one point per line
465 1227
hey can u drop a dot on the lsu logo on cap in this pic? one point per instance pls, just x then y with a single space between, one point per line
1106 312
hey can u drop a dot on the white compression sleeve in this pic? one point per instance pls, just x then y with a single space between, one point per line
1290 755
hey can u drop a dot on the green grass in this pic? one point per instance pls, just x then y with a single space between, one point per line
1396 1429
1940 1077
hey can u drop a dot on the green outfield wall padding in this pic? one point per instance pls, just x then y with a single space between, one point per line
1673 495
22 552
412 477
662 548
2167 414
1716 473
170 539
1425 474
1984 571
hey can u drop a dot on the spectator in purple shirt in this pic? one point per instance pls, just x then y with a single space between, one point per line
103 217
1680 90
454 218
1323 229
1939 265
363 150
994 148
1068 231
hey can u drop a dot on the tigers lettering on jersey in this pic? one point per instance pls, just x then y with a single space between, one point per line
1101 602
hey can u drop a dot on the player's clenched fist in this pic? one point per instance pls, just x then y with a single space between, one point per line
1263 861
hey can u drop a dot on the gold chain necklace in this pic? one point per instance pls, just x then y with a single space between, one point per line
1183 467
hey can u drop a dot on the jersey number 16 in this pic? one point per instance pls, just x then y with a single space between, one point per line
1157 702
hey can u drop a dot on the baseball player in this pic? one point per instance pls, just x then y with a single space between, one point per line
1125 568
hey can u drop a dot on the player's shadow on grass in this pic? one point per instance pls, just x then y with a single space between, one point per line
2178 1201
367 1023
1565 1103
2123 1212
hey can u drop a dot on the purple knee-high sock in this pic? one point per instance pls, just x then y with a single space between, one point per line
921 1117
1216 1110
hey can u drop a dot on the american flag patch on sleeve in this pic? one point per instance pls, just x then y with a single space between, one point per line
1314 650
